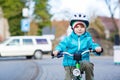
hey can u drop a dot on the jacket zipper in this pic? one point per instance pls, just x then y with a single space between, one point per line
78 43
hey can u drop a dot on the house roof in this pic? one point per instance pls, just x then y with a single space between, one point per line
108 23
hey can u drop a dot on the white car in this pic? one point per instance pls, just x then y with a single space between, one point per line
29 46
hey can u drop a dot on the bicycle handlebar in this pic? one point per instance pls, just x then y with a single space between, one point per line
60 54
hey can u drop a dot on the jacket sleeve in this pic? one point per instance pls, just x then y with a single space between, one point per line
93 44
62 44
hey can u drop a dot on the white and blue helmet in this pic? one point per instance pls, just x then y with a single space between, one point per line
79 17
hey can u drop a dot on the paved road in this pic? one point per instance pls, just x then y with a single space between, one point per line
18 69
105 69
51 69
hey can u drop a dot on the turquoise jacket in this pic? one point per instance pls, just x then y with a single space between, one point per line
76 44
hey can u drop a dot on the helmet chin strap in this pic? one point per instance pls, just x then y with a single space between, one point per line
73 30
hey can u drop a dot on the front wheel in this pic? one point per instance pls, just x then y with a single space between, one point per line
77 78
38 54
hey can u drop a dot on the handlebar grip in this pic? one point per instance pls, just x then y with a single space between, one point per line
60 54
52 54
99 53
93 51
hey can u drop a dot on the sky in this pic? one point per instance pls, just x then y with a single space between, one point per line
90 7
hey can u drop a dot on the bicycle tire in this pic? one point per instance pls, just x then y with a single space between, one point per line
77 78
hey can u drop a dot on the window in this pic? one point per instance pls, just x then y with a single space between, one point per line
41 41
27 42
14 42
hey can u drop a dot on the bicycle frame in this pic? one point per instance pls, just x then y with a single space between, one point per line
76 72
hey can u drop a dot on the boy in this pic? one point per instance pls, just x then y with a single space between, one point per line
78 41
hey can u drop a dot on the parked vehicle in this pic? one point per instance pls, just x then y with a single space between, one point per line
29 46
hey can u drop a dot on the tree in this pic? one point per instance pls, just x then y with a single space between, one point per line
112 7
97 25
42 14
12 10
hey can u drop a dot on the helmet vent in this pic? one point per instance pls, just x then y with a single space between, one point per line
79 15
84 16
75 15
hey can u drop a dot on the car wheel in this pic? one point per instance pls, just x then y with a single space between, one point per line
38 54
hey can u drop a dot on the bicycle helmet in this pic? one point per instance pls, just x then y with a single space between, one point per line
79 18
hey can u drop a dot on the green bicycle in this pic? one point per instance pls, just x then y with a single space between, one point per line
77 74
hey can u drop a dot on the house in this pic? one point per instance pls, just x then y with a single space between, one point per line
108 23
60 26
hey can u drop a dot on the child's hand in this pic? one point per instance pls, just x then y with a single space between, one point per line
55 53
98 49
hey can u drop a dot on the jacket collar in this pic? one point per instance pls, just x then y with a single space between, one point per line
86 34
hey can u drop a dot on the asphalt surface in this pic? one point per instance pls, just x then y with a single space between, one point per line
52 69
104 69
18 69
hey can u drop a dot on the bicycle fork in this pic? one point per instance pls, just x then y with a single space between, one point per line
77 73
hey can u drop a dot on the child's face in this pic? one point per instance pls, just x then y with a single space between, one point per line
79 29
